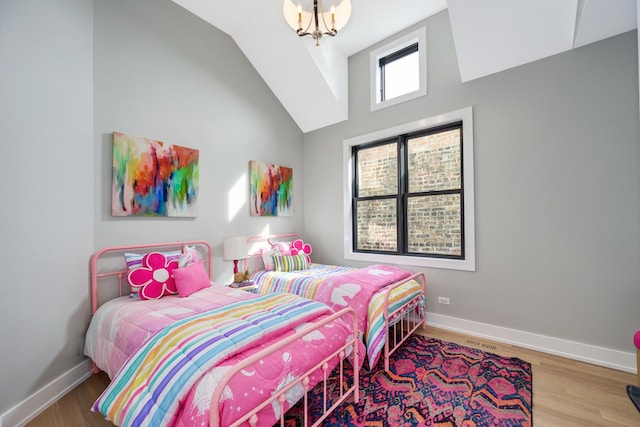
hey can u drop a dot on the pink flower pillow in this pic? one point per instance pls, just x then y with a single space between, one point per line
300 247
191 278
134 260
154 278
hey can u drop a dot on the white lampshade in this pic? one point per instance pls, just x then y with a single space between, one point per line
342 12
235 248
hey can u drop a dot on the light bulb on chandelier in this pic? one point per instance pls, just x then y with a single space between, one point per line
311 18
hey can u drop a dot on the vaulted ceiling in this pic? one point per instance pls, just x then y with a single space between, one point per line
489 36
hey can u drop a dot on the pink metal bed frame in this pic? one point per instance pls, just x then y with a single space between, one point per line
251 417
399 324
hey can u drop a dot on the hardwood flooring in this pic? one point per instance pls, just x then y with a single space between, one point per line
566 393
73 410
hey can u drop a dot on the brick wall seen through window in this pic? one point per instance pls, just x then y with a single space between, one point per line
409 194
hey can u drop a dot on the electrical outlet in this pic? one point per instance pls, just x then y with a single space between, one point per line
444 300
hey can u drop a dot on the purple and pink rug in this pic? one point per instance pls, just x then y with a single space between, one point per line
436 383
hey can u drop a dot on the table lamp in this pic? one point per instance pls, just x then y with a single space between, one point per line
235 248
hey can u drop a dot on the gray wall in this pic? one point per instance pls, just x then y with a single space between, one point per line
160 73
557 161
46 219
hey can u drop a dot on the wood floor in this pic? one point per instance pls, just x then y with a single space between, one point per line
566 393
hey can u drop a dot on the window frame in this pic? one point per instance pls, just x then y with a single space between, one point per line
465 116
375 78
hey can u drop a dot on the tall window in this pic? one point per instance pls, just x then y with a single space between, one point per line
399 70
409 192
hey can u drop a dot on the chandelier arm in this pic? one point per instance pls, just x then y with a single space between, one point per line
304 32
329 31
332 32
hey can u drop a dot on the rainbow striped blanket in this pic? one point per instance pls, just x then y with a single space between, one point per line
340 287
149 388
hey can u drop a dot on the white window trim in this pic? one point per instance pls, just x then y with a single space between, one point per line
419 36
469 263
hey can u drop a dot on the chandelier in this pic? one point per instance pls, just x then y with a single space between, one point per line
310 18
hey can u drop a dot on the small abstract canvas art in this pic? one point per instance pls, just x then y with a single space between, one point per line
271 189
152 178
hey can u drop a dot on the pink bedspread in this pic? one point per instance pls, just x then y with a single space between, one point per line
356 288
124 324
340 287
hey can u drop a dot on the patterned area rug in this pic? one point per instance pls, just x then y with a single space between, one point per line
436 383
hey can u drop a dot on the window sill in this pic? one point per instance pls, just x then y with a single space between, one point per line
450 264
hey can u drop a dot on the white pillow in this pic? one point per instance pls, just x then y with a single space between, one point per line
189 256
279 249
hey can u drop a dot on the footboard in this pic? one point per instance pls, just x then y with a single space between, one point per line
404 320
341 354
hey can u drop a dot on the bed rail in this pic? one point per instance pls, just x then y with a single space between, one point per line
341 353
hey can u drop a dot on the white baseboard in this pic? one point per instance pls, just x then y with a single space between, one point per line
30 408
573 350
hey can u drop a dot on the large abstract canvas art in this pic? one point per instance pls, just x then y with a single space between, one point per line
271 189
152 178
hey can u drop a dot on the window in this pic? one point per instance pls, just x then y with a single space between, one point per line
399 71
409 194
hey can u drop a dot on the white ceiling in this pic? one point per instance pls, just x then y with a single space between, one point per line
489 35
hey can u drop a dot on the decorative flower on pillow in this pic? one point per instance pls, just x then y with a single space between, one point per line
154 277
300 247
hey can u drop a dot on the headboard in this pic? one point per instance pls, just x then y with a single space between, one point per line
256 244
110 263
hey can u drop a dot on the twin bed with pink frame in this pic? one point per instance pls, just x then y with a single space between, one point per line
262 353
389 302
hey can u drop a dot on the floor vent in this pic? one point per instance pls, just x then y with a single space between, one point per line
481 345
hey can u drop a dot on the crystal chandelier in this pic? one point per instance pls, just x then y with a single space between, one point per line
310 18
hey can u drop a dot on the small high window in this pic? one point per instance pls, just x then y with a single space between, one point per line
399 71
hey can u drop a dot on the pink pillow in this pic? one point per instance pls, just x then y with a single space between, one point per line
191 278
154 277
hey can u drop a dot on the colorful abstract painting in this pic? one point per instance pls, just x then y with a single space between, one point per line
152 178
271 189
